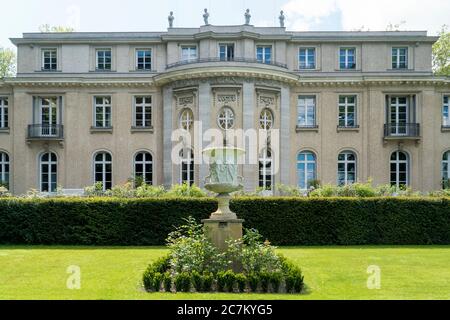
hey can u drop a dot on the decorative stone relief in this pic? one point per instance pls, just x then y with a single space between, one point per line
229 97
186 99
267 99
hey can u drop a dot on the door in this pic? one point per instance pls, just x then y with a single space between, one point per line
398 116
48 116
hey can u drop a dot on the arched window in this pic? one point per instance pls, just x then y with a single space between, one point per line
266 119
399 169
4 169
187 166
103 169
226 118
346 168
446 170
186 119
48 166
266 170
306 169
143 168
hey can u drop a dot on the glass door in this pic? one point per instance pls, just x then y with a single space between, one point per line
398 116
49 116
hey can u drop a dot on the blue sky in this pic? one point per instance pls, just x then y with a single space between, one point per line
151 15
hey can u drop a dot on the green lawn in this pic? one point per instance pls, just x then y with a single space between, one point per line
330 273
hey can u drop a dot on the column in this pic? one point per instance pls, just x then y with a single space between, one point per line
285 141
167 134
250 171
204 116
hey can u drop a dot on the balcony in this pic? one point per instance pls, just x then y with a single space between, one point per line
229 59
45 132
402 131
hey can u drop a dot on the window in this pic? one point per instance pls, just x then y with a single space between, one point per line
347 58
186 119
102 112
48 111
187 166
265 170
266 119
399 58
306 169
48 164
143 169
398 115
49 60
188 53
347 111
307 58
143 112
306 111
103 59
446 170
144 59
4 113
346 168
445 112
226 52
103 170
399 169
264 54
226 118
4 169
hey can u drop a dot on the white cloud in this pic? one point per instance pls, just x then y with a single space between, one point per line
427 15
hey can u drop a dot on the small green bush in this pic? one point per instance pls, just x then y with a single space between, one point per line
275 281
197 281
207 281
183 282
167 282
221 282
253 281
241 281
265 278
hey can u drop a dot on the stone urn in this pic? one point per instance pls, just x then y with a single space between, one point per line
223 179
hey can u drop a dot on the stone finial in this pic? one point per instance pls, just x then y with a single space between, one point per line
206 17
282 18
247 17
171 18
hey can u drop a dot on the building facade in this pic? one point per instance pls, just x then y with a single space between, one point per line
103 107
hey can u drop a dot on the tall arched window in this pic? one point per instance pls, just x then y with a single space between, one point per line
346 168
306 169
143 168
187 166
399 169
446 170
103 169
48 167
186 119
4 169
265 170
266 119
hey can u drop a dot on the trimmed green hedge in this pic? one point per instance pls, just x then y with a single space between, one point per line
284 221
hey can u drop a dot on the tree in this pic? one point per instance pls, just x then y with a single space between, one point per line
7 63
441 53
46 28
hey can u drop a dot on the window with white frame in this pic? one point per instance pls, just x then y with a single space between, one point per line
306 169
48 166
188 53
102 110
306 110
143 112
103 59
446 170
226 51
4 123
399 164
103 169
266 119
186 119
307 58
346 168
347 111
4 169
143 169
446 112
264 54
187 167
49 59
144 59
347 58
225 119
399 58
266 170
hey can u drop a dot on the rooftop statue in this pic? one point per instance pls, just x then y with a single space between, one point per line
282 18
171 18
206 17
247 17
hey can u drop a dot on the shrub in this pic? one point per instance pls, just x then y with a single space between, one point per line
229 280
162 264
241 281
197 281
183 282
253 281
265 278
4 193
207 281
167 282
221 281
275 280
186 191
293 276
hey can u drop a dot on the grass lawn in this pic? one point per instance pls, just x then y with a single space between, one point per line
330 273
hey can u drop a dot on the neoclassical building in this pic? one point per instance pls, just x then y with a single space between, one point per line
343 106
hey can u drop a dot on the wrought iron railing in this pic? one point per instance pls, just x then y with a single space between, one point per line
45 131
230 59
402 130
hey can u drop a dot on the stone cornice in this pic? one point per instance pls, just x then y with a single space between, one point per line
88 83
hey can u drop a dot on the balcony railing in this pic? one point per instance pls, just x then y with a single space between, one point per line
400 130
230 59
45 131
